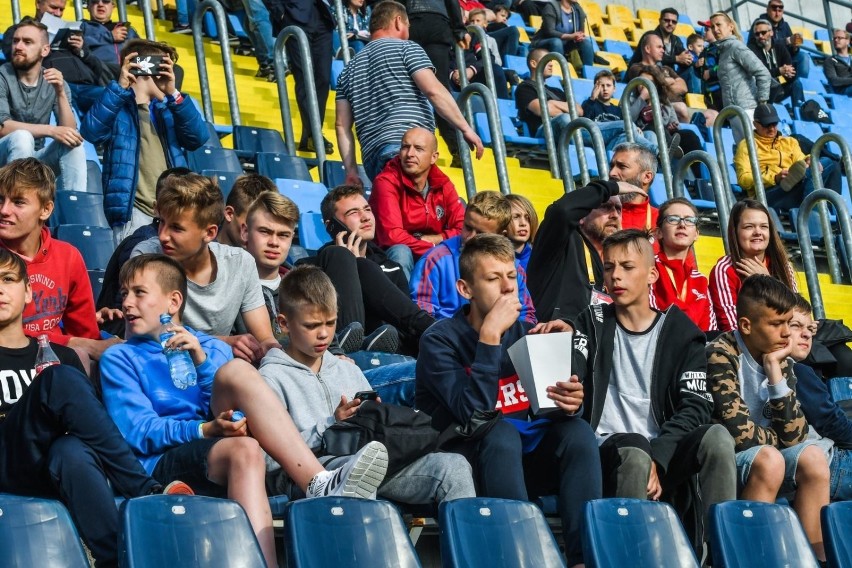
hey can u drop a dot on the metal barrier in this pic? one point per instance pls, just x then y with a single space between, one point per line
201 60
498 145
148 18
597 143
485 58
825 221
547 128
310 91
725 114
16 11
724 198
78 10
805 243
161 10
826 7
341 30
121 6
659 127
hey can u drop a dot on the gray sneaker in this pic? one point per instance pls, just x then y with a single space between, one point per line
359 477
795 174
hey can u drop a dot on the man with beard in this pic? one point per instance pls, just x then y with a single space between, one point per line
28 94
774 55
565 272
636 165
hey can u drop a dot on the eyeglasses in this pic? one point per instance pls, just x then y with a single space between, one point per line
677 220
667 21
100 1
761 32
777 8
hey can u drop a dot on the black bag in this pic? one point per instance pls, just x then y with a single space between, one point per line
405 432
812 112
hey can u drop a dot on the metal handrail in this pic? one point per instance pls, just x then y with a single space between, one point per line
805 243
734 111
498 145
121 6
598 145
16 11
480 34
341 30
659 127
825 221
148 18
78 10
201 59
310 90
161 10
547 128
724 198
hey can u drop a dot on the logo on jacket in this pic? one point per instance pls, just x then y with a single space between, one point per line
581 343
698 295
439 212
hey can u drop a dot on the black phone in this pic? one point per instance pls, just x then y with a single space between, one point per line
334 227
149 65
366 395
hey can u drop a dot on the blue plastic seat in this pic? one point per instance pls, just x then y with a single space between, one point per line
836 528
249 140
96 278
312 232
213 158
276 165
488 532
518 65
334 174
786 236
620 47
94 179
336 69
94 243
745 534
582 89
657 191
212 135
344 531
80 208
306 195
636 533
38 532
172 530
783 113
589 71
224 179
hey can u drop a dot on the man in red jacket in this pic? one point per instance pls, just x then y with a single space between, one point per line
416 205
637 165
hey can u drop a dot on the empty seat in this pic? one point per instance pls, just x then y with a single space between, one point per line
276 165
334 174
488 532
307 195
80 208
94 179
171 530
94 243
213 158
836 528
620 47
249 140
224 179
344 531
312 232
38 532
213 135
652 529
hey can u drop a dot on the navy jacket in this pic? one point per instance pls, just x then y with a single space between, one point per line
827 418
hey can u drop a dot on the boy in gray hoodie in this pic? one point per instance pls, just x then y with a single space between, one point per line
318 389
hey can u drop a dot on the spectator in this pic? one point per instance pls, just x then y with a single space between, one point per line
637 166
708 65
528 105
563 30
181 21
774 55
523 228
145 124
386 90
464 372
433 282
782 32
679 282
675 54
838 68
652 53
245 190
750 375
649 407
416 204
756 248
105 38
29 92
475 64
478 18
357 25
308 309
507 37
262 40
695 46
222 281
785 170
168 427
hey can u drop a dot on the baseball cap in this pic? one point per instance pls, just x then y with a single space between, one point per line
766 115
704 23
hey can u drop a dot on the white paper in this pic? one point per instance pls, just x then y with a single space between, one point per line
540 360
55 24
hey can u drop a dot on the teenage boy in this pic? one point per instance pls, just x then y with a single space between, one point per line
56 438
751 378
433 282
308 305
464 373
191 431
643 374
222 281
245 190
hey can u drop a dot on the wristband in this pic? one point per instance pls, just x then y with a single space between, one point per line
200 431
175 98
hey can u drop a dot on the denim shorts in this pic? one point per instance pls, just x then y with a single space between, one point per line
841 475
188 463
791 455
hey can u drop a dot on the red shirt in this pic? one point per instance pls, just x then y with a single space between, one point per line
640 215
680 283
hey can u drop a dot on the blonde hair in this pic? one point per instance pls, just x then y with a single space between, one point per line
527 207
194 192
728 19
277 205
493 206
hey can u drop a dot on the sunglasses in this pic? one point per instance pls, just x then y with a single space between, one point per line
100 1
777 8
761 32
677 220
670 21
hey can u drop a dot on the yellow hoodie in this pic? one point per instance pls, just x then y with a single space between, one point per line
773 155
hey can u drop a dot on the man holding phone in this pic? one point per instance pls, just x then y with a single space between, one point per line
105 38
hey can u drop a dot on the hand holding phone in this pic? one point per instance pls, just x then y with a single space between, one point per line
366 395
146 65
335 227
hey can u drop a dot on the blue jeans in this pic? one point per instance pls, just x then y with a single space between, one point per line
393 378
785 200
508 40
70 163
613 134
841 475
403 256
375 162
585 48
260 31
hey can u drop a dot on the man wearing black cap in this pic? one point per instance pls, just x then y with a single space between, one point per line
785 170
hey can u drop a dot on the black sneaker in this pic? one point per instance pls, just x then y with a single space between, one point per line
600 61
181 29
308 145
351 337
675 151
384 339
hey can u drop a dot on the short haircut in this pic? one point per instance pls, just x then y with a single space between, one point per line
761 22
169 275
776 252
536 54
605 74
643 41
194 192
842 31
664 208
476 12
306 286
28 174
493 206
177 172
13 262
638 239
482 245
669 10
330 199
145 47
33 23
802 305
501 8
246 189
693 38
384 13
646 158
280 207
528 208
764 290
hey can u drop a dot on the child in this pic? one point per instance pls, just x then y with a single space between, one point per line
464 373
643 374
751 378
679 282
433 281
192 432
319 389
245 190
501 17
523 227
695 45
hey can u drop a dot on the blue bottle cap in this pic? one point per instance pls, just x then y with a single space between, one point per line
237 416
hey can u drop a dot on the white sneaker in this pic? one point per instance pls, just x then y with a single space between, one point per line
359 477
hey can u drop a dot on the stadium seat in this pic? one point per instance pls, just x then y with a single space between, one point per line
80 208
213 158
810 130
620 15
96 277
517 64
171 530
333 174
488 532
589 71
94 180
38 532
652 529
786 236
657 191
213 135
249 140
224 179
275 165
783 113
363 532
836 528
336 69
94 243
747 534
614 32
306 195
582 89
312 233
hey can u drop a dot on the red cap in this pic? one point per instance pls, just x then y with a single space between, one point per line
705 23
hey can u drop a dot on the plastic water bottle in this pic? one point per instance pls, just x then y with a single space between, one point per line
181 367
237 416
46 357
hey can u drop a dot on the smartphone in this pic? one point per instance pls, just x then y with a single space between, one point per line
366 395
334 227
149 65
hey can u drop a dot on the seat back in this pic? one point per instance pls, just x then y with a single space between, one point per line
487 532
836 528
80 208
38 532
249 140
96 277
652 528
213 158
94 243
180 530
277 165
334 174
363 532
94 177
312 233
306 195
225 180
747 534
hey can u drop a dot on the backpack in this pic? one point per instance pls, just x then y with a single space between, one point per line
812 112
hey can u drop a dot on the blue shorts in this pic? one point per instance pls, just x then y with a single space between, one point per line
188 463
791 455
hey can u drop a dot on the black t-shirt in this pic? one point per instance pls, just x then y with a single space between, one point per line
17 369
525 94
600 112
